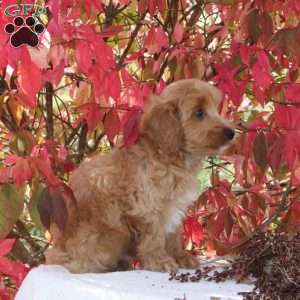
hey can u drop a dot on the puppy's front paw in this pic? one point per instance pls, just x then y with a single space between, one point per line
163 264
187 261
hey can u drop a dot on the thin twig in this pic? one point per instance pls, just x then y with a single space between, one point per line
130 42
49 110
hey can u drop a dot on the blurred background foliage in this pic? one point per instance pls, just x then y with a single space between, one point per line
81 92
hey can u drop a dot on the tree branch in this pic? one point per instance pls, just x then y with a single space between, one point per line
49 110
82 142
130 42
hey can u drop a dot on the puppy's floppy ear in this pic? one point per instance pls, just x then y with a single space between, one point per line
162 127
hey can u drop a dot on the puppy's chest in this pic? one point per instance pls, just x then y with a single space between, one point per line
175 210
166 192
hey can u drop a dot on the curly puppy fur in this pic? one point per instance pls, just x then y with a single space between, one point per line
131 202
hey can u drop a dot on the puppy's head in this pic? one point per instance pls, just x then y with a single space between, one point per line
185 118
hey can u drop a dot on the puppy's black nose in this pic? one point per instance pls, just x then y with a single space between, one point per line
229 133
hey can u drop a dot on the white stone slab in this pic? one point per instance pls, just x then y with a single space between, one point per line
56 283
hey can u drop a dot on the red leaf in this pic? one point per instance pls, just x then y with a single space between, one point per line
229 85
112 124
21 171
290 149
44 167
293 215
16 271
258 93
192 230
6 245
68 166
151 6
84 32
124 2
133 56
88 5
127 77
4 175
161 4
178 33
27 70
216 223
106 84
142 6
263 60
281 116
62 152
11 159
136 264
215 197
54 8
261 70
156 40
56 74
111 31
162 38
114 85
295 178
292 92
83 56
287 117
160 86
245 53
130 126
92 114
275 154
4 294
157 64
228 224
56 55
262 77
103 54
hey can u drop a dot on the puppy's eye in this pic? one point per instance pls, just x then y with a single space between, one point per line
199 114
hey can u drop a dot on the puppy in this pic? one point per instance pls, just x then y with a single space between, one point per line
132 202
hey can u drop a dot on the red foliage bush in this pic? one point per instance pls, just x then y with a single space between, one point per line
82 89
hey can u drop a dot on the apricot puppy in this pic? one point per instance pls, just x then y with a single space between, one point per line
131 202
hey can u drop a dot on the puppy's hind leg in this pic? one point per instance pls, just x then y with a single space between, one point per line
151 248
91 251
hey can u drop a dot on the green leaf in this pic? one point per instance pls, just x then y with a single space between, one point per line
11 206
36 196
228 223
267 26
254 29
287 40
260 201
260 151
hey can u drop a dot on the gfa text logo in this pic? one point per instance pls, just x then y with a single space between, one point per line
25 28
15 10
